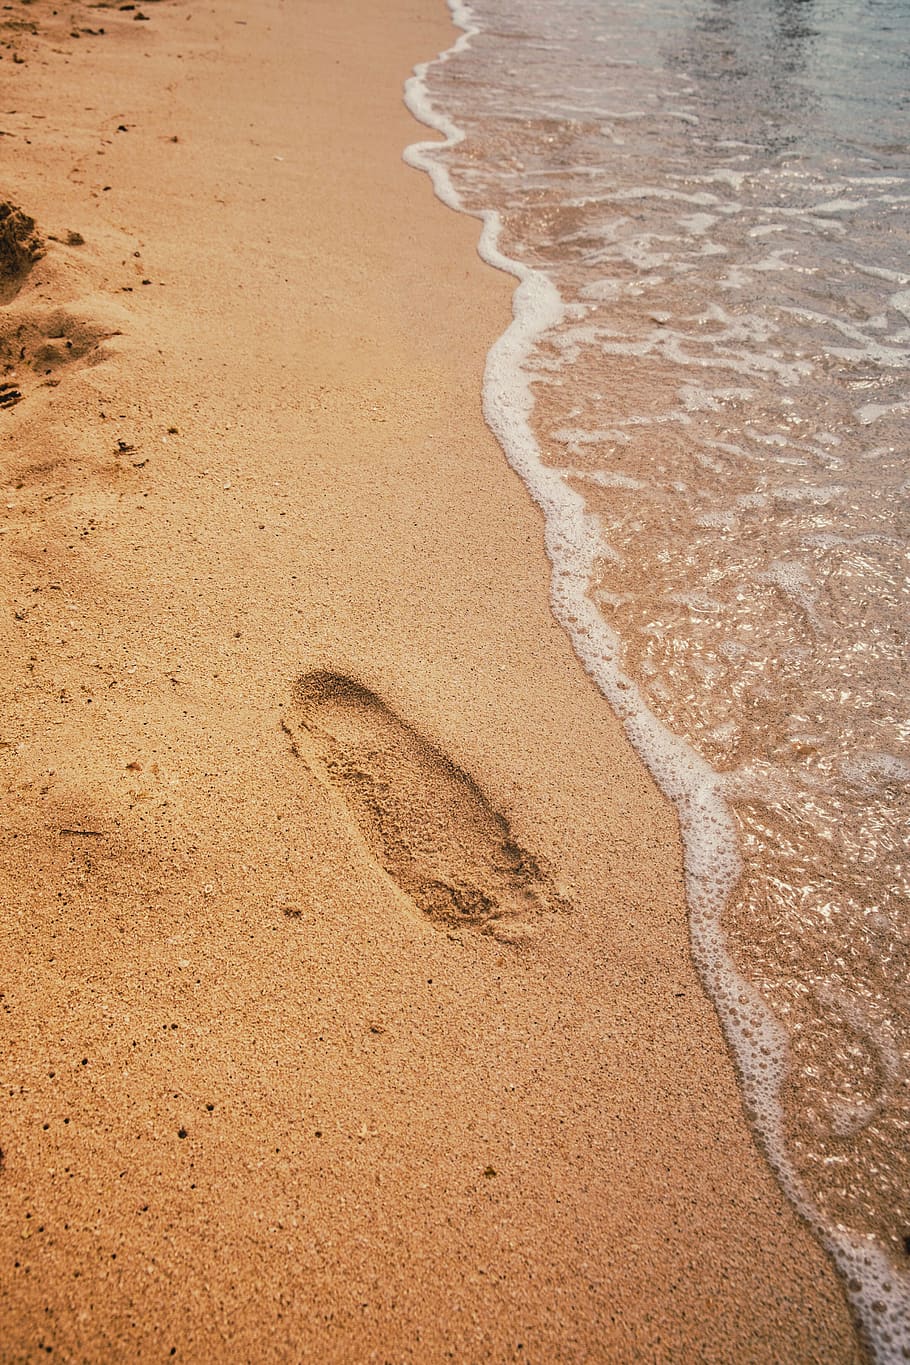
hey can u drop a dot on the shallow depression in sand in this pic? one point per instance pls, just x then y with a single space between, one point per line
424 820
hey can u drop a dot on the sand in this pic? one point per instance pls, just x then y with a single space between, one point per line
348 1011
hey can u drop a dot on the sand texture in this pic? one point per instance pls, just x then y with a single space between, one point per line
347 1007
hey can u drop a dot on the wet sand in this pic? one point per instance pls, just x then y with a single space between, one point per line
348 1011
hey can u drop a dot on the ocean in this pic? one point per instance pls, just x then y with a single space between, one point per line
706 388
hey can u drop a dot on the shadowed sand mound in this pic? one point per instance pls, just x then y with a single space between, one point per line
425 820
40 343
20 247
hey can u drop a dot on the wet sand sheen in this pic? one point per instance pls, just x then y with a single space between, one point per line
264 1104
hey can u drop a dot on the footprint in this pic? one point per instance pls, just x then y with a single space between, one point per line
425 821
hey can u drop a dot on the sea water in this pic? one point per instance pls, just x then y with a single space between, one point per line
706 387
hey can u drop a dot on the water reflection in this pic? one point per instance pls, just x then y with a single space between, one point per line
812 75
751 63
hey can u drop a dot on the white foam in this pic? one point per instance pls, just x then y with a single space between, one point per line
697 223
840 206
571 437
795 582
605 478
635 192
877 767
695 399
821 495
879 1293
724 175
901 301
868 413
718 520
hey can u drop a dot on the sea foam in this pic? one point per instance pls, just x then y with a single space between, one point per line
574 537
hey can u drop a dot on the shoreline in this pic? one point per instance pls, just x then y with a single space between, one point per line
311 1119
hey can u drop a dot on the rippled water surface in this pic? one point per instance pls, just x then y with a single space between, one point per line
719 190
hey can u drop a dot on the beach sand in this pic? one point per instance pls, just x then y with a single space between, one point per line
347 1005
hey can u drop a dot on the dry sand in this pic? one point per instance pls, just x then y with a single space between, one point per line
348 1011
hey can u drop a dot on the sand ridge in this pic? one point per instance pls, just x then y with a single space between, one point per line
259 1102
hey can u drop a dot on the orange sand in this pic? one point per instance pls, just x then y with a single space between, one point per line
350 1019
